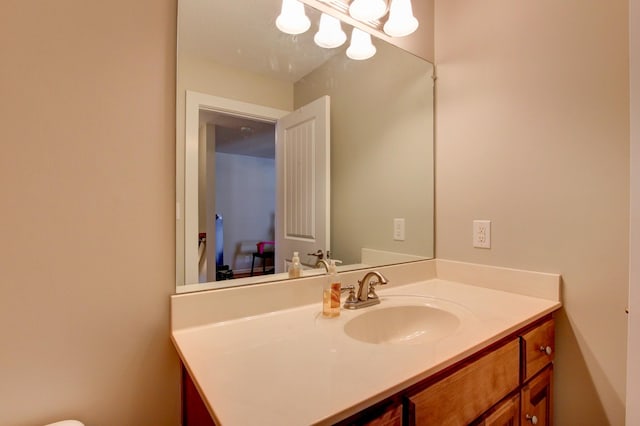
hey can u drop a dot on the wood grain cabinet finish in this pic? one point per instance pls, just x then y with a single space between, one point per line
509 384
392 416
465 394
506 413
538 348
537 399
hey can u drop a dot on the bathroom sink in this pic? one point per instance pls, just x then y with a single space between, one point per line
405 324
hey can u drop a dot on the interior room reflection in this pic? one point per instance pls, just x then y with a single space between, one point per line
240 155
381 145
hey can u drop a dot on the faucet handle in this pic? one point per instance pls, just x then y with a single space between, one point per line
372 292
351 298
319 254
372 289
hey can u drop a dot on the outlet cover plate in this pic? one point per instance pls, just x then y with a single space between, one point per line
398 229
482 233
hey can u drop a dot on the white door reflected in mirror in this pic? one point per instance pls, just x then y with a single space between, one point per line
303 182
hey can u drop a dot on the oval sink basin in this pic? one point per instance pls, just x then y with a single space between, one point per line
402 325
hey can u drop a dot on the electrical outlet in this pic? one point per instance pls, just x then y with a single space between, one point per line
482 233
398 229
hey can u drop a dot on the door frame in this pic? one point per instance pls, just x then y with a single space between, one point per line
195 101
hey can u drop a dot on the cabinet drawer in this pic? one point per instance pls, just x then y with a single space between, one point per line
538 348
465 394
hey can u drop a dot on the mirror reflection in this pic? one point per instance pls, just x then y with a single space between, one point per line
239 80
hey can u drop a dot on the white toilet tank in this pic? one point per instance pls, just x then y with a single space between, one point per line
66 423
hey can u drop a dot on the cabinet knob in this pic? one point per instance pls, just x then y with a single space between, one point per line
532 419
546 349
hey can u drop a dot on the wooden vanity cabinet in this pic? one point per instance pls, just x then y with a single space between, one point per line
538 352
194 411
537 348
537 399
391 417
507 384
387 413
472 389
506 413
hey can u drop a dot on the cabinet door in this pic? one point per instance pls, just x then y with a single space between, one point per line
537 399
461 397
506 414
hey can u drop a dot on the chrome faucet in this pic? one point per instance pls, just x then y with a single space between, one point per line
366 291
324 263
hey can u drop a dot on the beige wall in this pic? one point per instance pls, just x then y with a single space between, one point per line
633 374
533 134
87 182
381 150
87 232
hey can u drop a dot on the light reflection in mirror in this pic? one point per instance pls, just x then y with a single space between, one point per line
381 133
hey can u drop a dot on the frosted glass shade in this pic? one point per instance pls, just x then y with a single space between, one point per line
401 21
367 10
292 19
361 47
330 34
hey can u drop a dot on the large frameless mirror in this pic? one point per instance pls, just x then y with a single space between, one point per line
285 146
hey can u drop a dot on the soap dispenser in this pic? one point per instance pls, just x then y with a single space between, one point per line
295 269
331 293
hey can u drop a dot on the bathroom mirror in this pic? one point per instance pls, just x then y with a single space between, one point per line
230 55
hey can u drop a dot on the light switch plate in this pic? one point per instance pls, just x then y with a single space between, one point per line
482 233
398 229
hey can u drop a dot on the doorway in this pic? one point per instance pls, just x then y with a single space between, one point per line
194 137
237 194
303 136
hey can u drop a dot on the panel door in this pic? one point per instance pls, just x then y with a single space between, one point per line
303 182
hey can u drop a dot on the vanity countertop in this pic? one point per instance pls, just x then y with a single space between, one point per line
293 367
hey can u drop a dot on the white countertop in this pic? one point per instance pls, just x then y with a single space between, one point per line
293 367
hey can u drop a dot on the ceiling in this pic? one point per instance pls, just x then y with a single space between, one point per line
241 136
243 34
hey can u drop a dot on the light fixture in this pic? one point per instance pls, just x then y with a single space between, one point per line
330 34
361 47
401 21
292 19
367 10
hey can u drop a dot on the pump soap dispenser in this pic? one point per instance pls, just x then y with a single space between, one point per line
331 293
295 269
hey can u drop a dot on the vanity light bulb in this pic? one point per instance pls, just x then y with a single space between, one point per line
330 34
401 21
361 47
367 10
292 19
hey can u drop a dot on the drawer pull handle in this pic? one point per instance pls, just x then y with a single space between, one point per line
532 419
546 349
